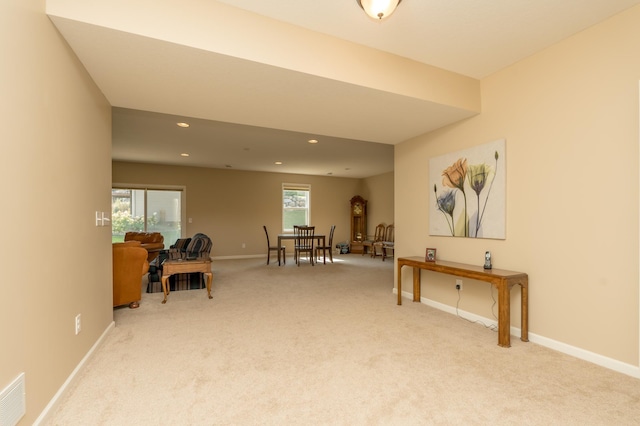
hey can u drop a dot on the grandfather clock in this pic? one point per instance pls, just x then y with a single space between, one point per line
358 224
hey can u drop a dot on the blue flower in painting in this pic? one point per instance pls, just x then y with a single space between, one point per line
446 204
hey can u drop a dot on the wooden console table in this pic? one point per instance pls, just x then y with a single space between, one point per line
499 278
170 267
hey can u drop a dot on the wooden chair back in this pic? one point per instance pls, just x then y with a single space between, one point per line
389 234
304 238
379 235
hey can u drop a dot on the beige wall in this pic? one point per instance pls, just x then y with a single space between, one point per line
378 191
570 118
231 206
56 172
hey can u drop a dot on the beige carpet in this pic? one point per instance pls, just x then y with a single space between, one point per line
327 345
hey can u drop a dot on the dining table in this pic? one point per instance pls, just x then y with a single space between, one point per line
319 237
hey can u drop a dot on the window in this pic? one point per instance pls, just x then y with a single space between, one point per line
296 206
148 210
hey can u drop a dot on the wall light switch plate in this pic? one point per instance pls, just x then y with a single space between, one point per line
78 324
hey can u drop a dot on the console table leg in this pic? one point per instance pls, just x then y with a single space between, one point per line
524 310
416 284
504 316
399 285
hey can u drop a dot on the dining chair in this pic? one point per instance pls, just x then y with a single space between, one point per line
304 238
378 238
271 248
326 247
388 243
368 243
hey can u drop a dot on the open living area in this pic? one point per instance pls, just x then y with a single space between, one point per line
501 137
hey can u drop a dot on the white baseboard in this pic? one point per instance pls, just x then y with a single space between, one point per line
603 361
256 256
56 398
247 256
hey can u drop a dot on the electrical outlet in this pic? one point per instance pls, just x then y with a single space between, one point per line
244 245
78 324
458 284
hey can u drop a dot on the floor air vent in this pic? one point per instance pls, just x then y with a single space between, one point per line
12 402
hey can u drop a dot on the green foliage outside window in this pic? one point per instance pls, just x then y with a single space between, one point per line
121 222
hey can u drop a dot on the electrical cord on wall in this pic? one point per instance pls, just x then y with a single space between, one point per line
492 327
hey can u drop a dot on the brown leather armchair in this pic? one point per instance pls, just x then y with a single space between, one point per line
153 242
129 266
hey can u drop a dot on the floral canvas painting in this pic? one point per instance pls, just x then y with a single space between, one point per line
468 192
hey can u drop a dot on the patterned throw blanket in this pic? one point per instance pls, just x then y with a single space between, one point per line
179 282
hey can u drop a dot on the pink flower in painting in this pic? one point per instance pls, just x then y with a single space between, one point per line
454 175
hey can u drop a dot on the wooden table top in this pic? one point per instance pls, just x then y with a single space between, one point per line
462 268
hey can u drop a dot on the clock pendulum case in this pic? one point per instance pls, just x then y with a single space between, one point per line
358 224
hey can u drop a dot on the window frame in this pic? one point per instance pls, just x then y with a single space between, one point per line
142 187
307 209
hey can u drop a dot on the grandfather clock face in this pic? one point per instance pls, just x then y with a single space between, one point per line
357 208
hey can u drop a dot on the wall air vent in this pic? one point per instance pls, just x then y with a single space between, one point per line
13 402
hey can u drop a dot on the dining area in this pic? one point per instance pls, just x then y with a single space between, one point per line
308 245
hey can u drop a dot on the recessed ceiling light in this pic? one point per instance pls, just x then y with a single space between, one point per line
312 141
184 154
278 162
183 124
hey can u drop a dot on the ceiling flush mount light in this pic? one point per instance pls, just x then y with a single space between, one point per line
312 141
182 124
184 154
378 9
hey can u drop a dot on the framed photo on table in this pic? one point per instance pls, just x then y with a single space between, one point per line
430 256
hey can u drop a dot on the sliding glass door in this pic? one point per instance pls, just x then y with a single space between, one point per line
148 210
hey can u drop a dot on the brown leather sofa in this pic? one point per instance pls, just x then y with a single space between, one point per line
129 266
153 242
